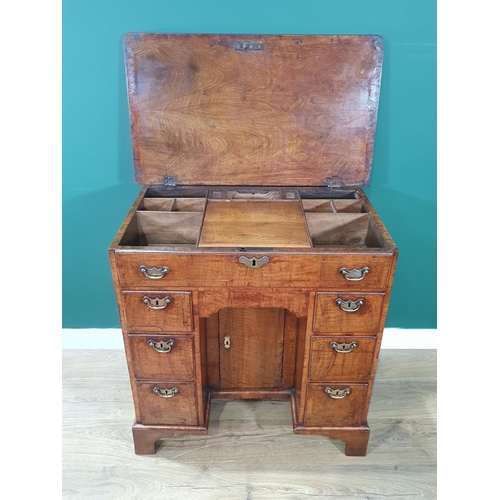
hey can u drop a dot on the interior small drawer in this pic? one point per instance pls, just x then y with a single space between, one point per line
341 359
162 357
167 403
335 405
350 313
158 312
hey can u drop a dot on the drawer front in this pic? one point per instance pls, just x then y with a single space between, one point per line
363 318
158 312
162 357
216 270
178 409
341 359
324 411
355 272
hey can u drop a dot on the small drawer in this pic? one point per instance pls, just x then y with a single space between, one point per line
158 312
350 313
162 357
152 270
167 403
342 359
356 272
335 405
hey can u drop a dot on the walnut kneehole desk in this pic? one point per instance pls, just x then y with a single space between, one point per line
252 264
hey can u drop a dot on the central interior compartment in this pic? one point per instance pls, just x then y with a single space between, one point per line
248 223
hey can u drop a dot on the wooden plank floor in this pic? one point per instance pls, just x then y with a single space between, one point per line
250 452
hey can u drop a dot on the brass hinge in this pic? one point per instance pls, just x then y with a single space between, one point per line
170 181
248 46
333 183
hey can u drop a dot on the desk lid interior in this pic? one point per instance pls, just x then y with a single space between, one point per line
288 111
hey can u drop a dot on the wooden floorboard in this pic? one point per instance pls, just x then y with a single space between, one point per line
250 452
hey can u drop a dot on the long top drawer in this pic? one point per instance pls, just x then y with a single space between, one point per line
156 270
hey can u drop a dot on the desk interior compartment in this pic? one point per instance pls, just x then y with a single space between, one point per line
157 204
332 229
318 206
333 206
169 228
166 221
172 204
188 205
349 206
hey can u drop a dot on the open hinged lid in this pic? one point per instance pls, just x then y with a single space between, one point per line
253 110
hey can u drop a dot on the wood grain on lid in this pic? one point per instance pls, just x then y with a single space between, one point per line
301 111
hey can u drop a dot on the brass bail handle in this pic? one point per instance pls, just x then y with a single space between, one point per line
157 303
343 347
166 393
338 393
349 305
154 273
354 274
161 346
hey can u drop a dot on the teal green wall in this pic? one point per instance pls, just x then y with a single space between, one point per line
98 185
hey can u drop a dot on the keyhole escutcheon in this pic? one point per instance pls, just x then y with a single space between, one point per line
254 262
